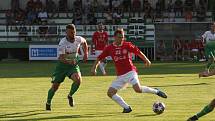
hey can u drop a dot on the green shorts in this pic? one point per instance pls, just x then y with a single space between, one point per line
210 49
62 70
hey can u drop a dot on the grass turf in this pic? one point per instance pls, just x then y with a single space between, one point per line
24 87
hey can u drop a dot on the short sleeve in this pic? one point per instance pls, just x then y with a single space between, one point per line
83 40
132 48
62 47
204 35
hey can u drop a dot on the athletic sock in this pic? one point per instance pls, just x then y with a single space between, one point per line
120 101
208 66
74 88
51 94
146 89
102 68
207 109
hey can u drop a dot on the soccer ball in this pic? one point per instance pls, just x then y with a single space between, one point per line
158 107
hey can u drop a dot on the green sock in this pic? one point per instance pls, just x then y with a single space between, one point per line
207 109
51 93
210 62
74 88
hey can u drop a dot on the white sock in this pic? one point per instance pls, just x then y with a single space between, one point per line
102 68
120 101
146 89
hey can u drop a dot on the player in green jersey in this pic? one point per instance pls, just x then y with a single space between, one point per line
209 40
67 65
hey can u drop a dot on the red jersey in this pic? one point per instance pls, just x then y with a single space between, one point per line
100 40
121 56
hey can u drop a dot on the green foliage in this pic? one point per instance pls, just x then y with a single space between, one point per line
24 87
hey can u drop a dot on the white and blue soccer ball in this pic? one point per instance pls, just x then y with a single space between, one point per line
158 107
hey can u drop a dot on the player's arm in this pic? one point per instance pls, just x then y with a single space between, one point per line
85 49
140 54
146 61
95 65
103 55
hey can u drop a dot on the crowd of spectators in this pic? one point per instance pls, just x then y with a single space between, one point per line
180 49
84 12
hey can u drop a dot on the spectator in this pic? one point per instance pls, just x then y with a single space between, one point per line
117 16
148 10
189 5
136 6
178 8
42 15
19 16
158 10
30 5
126 5
92 19
115 4
108 17
201 13
32 17
203 3
77 4
185 50
194 49
62 8
177 46
38 5
43 30
161 50
51 7
15 5
105 5
77 19
23 32
9 17
188 15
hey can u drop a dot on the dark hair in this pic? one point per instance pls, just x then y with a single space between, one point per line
70 26
118 31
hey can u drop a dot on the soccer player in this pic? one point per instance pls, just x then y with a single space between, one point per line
100 40
209 40
120 51
68 64
207 109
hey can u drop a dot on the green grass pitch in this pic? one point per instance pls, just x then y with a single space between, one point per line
24 86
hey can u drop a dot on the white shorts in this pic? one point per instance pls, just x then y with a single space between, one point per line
122 81
98 52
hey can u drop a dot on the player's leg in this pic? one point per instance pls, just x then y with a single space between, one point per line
76 77
57 78
51 94
112 93
207 109
102 65
133 79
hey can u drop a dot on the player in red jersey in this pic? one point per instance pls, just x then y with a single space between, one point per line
100 40
120 51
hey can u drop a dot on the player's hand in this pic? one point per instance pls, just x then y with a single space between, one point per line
93 71
147 63
85 57
72 62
